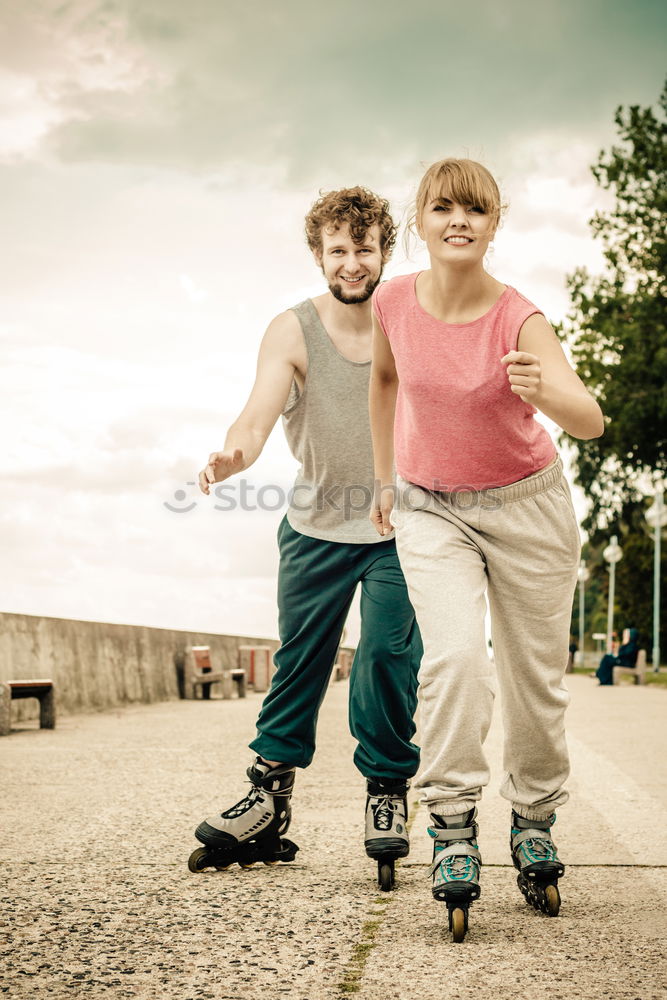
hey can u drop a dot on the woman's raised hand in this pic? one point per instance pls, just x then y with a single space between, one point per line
524 373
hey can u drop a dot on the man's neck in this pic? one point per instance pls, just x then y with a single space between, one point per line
352 318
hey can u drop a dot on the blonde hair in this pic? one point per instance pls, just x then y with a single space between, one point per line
464 181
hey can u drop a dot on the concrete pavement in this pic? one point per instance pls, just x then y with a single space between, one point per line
97 901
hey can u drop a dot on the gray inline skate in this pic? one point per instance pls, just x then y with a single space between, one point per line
535 858
386 837
252 830
456 867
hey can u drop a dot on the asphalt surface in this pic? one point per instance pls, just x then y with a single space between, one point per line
97 900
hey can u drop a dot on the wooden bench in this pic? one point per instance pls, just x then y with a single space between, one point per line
343 665
199 672
43 690
638 672
257 661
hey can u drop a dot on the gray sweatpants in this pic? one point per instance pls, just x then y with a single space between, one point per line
520 544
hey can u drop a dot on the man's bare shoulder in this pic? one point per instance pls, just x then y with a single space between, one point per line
285 323
284 338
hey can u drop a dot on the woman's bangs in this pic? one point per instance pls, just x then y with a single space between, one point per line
466 188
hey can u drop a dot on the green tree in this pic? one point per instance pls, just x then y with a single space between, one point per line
595 599
617 332
634 580
617 327
633 604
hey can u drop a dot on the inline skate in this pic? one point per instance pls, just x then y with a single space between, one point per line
456 867
252 830
386 837
535 858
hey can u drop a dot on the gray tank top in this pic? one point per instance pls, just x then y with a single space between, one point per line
328 431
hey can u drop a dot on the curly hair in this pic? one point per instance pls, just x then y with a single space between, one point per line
360 209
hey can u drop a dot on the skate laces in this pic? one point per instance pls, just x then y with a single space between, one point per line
257 793
455 867
384 812
538 848
531 839
456 856
246 803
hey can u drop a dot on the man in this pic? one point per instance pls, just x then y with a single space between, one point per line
313 368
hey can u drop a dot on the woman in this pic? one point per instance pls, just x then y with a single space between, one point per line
461 363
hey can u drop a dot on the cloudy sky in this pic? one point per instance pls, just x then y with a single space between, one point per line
157 159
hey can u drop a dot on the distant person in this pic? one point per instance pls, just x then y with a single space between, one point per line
572 649
313 369
626 657
461 364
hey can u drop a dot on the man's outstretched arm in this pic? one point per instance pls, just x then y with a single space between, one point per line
281 354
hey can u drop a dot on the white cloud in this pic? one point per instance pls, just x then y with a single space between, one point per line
55 57
197 87
193 292
27 115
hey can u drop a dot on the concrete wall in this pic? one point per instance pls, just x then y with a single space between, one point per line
95 665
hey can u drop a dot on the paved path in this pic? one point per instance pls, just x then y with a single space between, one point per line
97 900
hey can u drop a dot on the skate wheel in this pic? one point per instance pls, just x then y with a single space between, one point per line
552 900
270 864
458 924
222 868
197 860
288 850
386 875
247 867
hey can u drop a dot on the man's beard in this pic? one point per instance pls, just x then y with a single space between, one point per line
339 292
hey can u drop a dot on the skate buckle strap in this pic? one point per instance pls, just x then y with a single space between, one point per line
536 834
258 777
445 834
534 824
387 786
278 792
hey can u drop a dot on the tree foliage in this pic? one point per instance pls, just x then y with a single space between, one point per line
617 327
633 604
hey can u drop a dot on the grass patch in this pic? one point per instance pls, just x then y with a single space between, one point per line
658 680
362 949
351 981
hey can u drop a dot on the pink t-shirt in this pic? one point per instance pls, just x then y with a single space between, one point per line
458 424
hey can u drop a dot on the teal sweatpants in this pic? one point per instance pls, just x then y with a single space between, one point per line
316 583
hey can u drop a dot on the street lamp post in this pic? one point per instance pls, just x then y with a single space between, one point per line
582 575
612 554
656 516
